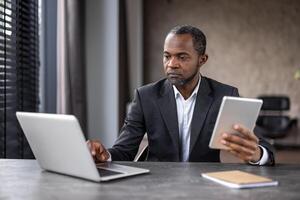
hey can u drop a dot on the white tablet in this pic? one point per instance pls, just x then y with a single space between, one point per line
234 110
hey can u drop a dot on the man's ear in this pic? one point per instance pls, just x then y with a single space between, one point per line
202 59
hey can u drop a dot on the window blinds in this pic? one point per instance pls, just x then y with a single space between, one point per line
19 72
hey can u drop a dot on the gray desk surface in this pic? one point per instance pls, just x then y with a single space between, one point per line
23 179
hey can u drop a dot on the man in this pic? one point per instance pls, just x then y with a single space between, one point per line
179 112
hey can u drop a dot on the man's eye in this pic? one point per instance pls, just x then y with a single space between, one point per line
166 57
182 57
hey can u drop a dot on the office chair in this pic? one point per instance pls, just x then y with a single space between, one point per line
142 155
143 150
273 121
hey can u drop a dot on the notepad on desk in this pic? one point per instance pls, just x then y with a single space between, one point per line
239 179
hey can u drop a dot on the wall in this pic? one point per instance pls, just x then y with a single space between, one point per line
252 44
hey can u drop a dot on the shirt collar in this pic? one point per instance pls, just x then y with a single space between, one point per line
194 93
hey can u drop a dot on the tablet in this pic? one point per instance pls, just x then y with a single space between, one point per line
234 110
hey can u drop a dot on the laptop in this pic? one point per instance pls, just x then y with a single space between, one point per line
58 144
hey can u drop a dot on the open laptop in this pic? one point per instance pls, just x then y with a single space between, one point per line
59 146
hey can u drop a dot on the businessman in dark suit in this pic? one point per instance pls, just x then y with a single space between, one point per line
179 113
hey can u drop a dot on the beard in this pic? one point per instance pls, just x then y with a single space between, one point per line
177 81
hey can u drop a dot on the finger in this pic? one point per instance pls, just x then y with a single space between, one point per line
253 156
94 148
88 143
237 139
243 157
101 154
99 148
245 132
102 157
98 151
99 157
239 147
106 154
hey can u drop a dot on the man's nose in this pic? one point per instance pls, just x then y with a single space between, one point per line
173 63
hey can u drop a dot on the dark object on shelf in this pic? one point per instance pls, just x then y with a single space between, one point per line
273 121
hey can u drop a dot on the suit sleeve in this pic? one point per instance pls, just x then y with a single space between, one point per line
262 141
131 133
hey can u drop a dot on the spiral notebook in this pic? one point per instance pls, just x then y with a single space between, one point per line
239 179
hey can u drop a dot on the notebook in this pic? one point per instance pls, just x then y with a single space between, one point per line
239 179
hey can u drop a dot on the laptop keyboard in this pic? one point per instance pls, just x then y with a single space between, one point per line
106 172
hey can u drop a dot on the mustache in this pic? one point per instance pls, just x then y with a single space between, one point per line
173 73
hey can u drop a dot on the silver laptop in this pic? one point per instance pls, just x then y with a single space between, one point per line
59 146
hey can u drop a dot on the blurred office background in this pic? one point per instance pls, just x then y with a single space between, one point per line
94 53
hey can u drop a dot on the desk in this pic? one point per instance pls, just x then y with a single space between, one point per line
23 179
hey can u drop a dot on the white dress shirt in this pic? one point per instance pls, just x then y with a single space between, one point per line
185 110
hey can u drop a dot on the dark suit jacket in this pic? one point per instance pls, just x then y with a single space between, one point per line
153 110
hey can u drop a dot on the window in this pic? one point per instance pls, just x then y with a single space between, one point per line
19 72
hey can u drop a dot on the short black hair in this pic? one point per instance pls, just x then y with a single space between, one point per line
199 39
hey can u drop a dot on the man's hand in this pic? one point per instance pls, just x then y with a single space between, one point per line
243 145
98 151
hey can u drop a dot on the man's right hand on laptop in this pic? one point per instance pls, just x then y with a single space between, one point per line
98 151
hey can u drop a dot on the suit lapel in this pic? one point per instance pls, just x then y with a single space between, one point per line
202 105
167 106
